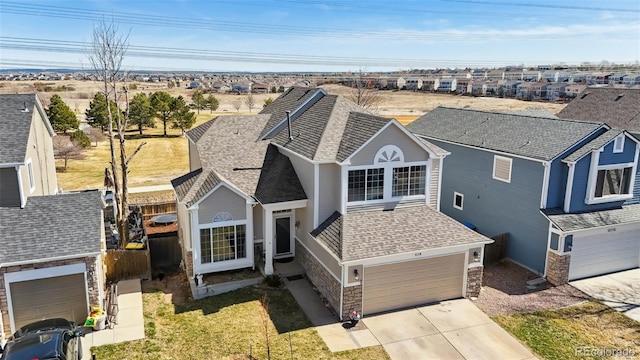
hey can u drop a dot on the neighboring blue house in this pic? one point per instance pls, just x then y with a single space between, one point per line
566 191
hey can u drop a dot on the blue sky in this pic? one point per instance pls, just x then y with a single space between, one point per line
324 35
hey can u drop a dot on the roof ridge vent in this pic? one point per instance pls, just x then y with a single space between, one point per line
25 109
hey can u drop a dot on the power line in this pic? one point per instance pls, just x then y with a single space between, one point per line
547 6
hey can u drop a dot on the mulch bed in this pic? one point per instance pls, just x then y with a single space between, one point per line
505 291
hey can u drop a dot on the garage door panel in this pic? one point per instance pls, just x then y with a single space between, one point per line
398 285
596 255
62 296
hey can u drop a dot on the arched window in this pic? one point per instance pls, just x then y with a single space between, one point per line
389 153
222 216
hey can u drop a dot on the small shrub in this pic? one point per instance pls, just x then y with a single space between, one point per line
133 87
273 280
81 138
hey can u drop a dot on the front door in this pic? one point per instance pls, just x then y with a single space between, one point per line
283 243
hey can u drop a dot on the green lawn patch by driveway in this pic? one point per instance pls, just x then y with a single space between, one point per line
228 326
567 333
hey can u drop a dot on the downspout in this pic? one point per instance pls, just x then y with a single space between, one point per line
289 124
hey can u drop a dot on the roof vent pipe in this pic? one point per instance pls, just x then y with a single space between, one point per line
289 125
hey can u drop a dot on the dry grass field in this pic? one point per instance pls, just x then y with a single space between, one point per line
163 159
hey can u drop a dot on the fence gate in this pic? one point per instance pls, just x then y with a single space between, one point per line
496 251
165 252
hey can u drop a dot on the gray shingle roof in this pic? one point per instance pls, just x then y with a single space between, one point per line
278 180
535 137
572 222
620 108
360 128
15 125
288 101
594 144
329 232
368 234
183 184
196 133
193 186
51 227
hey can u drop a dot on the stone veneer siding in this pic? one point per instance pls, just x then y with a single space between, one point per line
352 300
328 286
558 268
474 281
92 284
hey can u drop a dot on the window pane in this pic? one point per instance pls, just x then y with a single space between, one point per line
241 241
417 180
205 246
223 243
613 182
400 181
356 185
375 184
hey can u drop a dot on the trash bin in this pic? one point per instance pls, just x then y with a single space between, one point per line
100 323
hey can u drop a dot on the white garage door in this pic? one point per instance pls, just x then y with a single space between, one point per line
398 285
57 297
602 254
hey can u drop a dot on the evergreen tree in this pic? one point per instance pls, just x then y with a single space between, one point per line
61 116
97 115
212 103
161 104
141 113
182 117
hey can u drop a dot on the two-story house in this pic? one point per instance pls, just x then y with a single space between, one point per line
353 197
566 191
52 244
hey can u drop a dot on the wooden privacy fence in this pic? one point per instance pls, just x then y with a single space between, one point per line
496 251
127 264
165 251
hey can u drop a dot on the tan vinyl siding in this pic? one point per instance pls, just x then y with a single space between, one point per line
502 168
258 224
434 191
40 151
223 199
323 255
410 283
184 225
329 190
10 193
194 157
391 135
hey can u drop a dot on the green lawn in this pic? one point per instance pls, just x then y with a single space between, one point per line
558 334
228 326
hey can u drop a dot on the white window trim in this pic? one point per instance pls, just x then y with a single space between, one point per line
455 195
32 180
593 176
218 224
495 158
388 181
618 142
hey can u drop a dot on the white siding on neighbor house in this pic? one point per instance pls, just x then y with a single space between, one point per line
329 191
194 157
390 136
222 200
434 191
40 151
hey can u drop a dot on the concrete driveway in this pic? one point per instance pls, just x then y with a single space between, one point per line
454 329
620 291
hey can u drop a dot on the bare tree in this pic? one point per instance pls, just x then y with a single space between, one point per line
364 94
236 105
66 149
250 101
106 53
94 134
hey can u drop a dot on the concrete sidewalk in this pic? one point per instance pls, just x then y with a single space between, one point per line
620 291
130 319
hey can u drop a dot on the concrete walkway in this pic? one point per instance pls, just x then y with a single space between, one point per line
454 329
620 291
130 320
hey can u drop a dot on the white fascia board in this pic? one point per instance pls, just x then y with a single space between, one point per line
545 184
569 187
415 255
295 204
45 118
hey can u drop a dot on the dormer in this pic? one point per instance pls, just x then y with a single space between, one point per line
392 167
602 174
